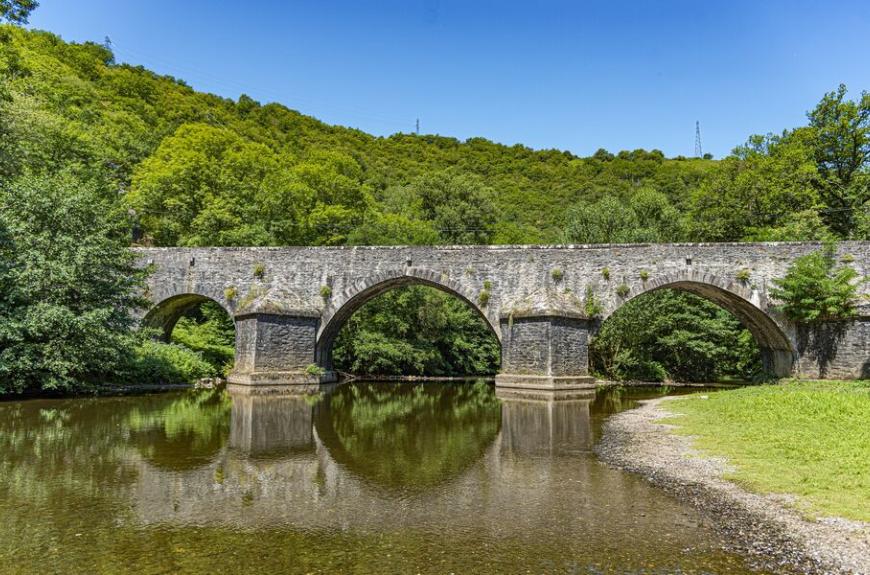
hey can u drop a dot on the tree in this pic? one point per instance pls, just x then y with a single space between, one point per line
816 288
840 131
460 206
69 284
17 11
669 334
648 216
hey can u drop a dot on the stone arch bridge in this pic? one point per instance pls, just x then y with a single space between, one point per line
290 303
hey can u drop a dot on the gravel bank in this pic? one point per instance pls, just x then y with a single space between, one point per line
763 527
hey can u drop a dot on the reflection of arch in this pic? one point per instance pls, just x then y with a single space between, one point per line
777 351
410 437
166 313
344 304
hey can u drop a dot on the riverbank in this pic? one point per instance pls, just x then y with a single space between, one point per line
774 530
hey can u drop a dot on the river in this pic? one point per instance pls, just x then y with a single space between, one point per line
365 478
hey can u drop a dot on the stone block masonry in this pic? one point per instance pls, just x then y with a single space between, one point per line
290 303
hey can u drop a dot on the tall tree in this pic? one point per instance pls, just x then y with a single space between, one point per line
840 131
69 283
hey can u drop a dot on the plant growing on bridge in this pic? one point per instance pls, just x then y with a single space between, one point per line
644 275
816 289
483 298
556 274
591 306
325 292
487 285
230 293
605 273
259 270
314 370
743 275
622 290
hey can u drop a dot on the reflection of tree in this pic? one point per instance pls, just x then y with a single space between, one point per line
58 439
186 433
409 436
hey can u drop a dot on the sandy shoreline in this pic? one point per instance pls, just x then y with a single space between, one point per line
764 527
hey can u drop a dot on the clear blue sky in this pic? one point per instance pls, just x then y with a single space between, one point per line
547 74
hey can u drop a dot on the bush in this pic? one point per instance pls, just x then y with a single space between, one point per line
168 363
816 289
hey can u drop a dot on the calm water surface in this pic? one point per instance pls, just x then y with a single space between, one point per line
369 478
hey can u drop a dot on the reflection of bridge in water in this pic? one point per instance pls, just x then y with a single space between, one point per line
278 469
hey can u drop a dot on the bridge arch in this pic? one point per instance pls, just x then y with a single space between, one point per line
345 304
165 313
744 303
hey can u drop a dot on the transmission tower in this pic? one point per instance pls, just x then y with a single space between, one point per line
418 126
698 151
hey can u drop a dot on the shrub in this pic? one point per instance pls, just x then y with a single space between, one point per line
644 275
556 274
816 289
743 275
168 363
606 273
314 369
622 290
325 292
230 293
259 270
483 298
487 285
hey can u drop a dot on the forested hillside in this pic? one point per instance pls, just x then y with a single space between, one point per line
178 167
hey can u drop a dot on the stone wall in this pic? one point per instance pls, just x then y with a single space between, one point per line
519 280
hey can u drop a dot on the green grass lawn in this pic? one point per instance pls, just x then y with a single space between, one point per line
807 438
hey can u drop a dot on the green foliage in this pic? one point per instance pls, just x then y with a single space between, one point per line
230 293
68 283
209 331
483 298
17 11
605 273
168 363
743 275
815 288
556 274
622 290
644 275
314 370
487 285
425 332
259 270
647 217
672 335
591 306
325 292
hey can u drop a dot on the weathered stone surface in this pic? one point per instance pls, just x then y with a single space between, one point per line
292 282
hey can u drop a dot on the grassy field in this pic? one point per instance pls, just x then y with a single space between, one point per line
807 438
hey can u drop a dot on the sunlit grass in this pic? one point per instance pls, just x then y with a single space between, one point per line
806 438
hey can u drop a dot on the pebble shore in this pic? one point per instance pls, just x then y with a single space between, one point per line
765 528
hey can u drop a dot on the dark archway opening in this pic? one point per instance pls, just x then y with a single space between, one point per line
689 333
412 330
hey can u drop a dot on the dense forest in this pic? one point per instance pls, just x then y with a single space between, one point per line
144 159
